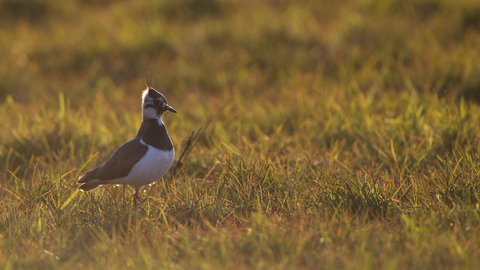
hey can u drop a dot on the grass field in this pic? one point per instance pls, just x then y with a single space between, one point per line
329 134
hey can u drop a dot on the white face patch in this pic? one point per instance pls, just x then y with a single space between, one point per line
149 113
153 103
144 94
146 97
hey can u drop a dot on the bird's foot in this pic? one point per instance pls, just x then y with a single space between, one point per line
136 197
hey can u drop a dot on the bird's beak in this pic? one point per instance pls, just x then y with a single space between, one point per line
169 108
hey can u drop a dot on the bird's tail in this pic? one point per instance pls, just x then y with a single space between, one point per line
89 180
89 186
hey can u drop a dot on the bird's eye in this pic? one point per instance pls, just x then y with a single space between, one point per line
156 102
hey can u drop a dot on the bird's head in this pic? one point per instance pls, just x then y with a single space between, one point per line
154 104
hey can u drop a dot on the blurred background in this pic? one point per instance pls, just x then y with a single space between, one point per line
72 72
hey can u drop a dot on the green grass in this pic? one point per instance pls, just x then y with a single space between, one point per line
334 134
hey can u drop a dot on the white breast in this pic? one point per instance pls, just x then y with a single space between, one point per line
151 168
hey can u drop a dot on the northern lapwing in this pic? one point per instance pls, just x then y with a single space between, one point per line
143 160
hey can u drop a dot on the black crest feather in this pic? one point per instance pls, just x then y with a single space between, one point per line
149 80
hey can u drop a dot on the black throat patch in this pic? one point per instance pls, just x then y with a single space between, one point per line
155 135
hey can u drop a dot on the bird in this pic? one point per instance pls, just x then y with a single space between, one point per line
143 160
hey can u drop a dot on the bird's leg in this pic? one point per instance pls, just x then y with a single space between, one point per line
136 197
